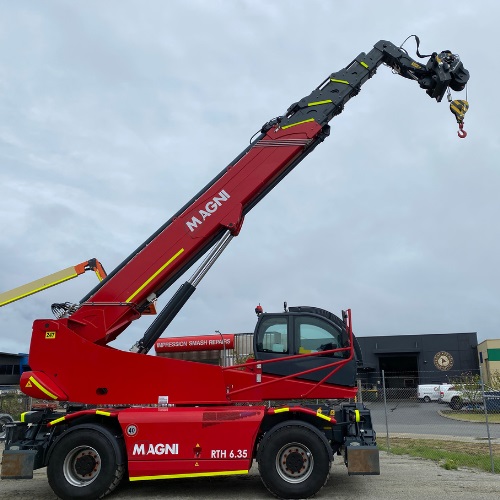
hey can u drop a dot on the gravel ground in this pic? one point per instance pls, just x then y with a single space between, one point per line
401 478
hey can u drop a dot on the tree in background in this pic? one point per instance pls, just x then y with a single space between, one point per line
469 384
495 380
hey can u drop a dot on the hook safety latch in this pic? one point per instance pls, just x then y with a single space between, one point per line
461 132
459 108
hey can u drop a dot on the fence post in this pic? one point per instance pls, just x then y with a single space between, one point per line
486 419
385 409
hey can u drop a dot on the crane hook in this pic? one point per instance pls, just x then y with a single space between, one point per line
461 132
459 108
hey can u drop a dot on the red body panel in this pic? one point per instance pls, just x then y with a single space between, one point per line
176 442
102 375
94 374
41 386
244 386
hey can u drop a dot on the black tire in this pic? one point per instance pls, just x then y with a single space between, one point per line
427 399
293 462
84 465
4 420
456 403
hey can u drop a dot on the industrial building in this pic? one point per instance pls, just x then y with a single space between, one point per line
11 367
489 360
410 360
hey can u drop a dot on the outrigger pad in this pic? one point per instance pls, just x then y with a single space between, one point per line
18 464
362 460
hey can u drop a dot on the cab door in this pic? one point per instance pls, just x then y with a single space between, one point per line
281 335
313 333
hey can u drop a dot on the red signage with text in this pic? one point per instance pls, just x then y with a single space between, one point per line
198 343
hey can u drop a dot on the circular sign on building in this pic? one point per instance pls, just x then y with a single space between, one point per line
443 360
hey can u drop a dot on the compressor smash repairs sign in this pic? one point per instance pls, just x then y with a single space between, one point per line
199 343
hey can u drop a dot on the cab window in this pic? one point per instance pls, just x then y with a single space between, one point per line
315 334
273 335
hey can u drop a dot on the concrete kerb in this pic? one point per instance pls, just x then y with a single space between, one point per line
434 437
463 419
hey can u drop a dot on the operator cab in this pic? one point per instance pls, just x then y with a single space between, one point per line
305 330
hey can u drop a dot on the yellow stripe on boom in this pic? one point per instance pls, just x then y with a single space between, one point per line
298 123
345 82
317 103
150 279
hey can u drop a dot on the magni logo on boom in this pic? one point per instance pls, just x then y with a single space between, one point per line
210 208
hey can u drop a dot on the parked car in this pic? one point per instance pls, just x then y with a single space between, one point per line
457 399
492 401
431 392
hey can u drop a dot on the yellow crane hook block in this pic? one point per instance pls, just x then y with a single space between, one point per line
459 107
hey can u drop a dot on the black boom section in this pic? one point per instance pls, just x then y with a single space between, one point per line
441 71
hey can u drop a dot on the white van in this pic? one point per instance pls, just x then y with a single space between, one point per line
443 388
428 392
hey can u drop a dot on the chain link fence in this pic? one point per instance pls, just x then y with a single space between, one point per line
455 422
13 402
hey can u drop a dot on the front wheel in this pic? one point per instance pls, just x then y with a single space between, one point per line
293 462
427 399
84 465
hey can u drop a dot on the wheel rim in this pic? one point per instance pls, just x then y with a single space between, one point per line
294 462
81 466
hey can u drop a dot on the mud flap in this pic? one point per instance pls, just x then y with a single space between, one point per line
362 460
18 464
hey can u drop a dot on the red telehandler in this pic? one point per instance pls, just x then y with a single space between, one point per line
149 417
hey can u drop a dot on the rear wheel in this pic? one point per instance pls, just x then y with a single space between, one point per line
293 462
84 465
456 403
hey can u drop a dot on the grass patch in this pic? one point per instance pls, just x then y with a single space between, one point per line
469 416
449 454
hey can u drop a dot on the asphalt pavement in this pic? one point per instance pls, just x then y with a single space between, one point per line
412 417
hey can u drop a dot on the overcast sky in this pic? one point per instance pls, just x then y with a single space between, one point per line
115 113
